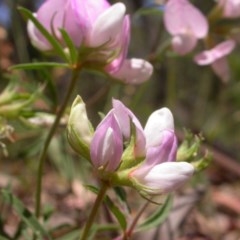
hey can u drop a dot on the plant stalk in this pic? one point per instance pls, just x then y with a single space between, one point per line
48 140
129 232
94 211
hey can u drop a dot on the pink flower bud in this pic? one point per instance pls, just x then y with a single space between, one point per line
163 178
185 23
107 145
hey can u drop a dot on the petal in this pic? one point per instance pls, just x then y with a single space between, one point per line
164 178
37 40
107 26
221 68
107 146
184 43
209 56
181 16
231 8
157 122
88 11
134 71
122 43
165 152
124 117
51 13
57 14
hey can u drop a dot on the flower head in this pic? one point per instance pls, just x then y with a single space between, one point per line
122 150
185 23
102 29
159 173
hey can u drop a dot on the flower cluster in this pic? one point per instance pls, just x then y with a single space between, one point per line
122 151
187 24
102 29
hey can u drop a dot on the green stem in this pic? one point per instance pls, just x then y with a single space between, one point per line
171 83
48 140
94 211
129 232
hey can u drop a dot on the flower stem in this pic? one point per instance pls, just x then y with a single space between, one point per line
48 140
94 211
129 232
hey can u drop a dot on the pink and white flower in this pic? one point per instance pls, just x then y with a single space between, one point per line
96 25
186 24
159 173
146 157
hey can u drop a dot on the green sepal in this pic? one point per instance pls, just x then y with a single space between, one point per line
79 146
73 52
129 160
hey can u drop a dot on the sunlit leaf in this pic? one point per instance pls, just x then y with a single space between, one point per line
158 216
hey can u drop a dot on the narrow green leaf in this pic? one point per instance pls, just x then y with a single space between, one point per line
37 65
158 217
25 215
116 212
72 49
73 235
55 44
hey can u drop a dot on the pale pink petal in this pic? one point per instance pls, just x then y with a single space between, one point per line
173 17
231 8
125 119
38 41
122 43
134 71
221 68
108 26
181 16
209 56
184 43
165 152
157 122
197 22
164 178
107 145
89 10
